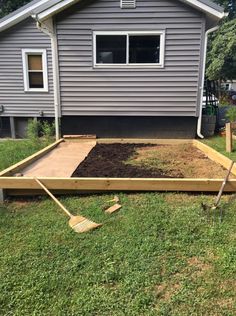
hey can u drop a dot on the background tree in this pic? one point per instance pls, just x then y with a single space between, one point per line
7 6
221 59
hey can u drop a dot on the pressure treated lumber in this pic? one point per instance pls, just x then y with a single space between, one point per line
119 184
215 155
228 137
27 161
143 141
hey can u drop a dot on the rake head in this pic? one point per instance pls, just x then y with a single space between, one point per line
81 224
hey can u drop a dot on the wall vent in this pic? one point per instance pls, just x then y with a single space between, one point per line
128 4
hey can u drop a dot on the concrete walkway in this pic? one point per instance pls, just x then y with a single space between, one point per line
61 161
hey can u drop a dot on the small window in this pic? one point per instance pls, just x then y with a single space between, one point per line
35 70
129 49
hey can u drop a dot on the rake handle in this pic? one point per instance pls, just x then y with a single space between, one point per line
223 184
53 197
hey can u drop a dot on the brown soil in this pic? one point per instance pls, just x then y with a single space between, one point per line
148 161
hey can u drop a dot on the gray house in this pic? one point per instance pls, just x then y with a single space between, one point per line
115 68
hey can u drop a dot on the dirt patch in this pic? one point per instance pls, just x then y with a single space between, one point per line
148 161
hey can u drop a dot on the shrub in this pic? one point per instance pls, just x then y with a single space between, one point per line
48 130
32 130
231 114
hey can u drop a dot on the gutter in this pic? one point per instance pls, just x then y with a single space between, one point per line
48 28
199 122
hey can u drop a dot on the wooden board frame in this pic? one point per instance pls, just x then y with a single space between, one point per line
28 185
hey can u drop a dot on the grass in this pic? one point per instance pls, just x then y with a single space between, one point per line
159 255
12 151
218 143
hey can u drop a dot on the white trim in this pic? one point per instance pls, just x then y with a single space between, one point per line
48 28
199 122
32 51
14 19
205 8
55 9
161 33
66 3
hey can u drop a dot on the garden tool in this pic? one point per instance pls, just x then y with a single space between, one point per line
79 224
217 200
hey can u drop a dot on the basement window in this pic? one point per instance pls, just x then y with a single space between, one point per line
35 70
129 49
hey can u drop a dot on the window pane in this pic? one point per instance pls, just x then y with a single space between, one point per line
36 80
111 49
35 62
144 49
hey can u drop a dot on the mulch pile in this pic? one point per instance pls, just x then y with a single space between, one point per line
107 160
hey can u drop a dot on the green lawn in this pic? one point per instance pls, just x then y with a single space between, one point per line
218 143
12 151
160 255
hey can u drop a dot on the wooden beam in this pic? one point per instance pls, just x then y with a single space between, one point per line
27 161
215 155
118 184
228 137
143 141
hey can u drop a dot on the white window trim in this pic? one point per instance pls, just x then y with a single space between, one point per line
127 65
25 53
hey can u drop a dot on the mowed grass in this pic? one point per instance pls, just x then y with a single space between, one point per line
159 255
218 143
12 151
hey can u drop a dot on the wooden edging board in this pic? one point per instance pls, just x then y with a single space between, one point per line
215 155
7 182
118 184
27 161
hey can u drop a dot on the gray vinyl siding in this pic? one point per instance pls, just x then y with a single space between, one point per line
15 100
170 91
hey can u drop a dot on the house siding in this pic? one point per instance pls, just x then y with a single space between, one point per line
169 91
15 100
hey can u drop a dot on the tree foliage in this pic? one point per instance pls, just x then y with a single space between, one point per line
221 62
221 59
7 6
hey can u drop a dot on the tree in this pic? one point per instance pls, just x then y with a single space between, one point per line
7 6
221 59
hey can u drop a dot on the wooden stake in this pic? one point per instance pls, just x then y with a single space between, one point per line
228 137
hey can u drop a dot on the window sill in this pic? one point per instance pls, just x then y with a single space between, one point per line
36 91
125 66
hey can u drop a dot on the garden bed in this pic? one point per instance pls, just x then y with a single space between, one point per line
148 161
121 165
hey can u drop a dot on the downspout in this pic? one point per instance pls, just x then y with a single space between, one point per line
49 30
199 122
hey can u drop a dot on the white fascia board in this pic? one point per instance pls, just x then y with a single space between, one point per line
20 16
205 8
55 9
66 3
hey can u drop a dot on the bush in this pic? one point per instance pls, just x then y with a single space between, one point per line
32 130
231 114
48 130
